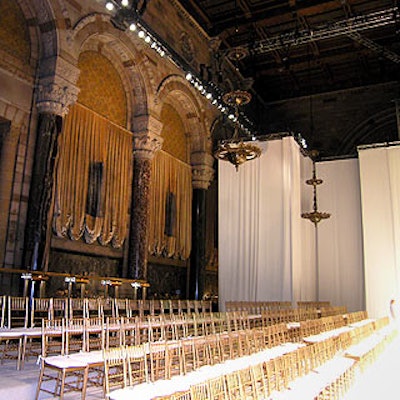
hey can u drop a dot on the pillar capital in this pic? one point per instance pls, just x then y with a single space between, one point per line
202 169
147 138
146 144
57 88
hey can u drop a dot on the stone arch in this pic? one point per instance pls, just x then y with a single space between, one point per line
379 127
96 33
175 90
41 12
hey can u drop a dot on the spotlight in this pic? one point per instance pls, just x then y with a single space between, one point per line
125 3
141 34
189 76
132 27
109 6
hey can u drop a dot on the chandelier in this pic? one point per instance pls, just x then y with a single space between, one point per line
315 216
235 150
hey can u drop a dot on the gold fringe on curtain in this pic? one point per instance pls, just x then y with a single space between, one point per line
171 193
93 181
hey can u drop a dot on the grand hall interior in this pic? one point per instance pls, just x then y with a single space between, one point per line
199 199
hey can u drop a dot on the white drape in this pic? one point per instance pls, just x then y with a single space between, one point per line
260 228
380 193
340 250
268 252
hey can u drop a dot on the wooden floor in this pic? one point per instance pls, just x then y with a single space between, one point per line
379 382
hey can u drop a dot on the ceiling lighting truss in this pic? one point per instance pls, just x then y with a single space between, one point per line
327 31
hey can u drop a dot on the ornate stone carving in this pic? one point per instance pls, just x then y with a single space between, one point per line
187 46
147 141
57 86
55 99
202 170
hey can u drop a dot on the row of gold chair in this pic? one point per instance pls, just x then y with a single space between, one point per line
151 361
168 357
24 312
314 371
322 370
97 333
256 307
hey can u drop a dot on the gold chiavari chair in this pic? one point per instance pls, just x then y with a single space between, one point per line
94 333
41 308
235 387
53 337
92 308
158 361
59 308
75 338
60 374
107 307
136 358
217 388
259 381
168 328
180 326
188 355
174 358
115 369
199 391
214 349
17 312
133 308
202 355
76 307
116 333
155 328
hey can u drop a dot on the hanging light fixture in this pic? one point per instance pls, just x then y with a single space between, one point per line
235 150
315 216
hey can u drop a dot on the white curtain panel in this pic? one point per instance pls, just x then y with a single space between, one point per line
380 194
340 249
261 242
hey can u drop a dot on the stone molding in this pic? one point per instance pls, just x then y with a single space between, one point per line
57 88
146 144
202 170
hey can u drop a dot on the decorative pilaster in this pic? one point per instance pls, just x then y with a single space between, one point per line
202 175
146 144
56 92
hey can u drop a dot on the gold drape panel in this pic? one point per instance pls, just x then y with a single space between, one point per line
170 175
88 138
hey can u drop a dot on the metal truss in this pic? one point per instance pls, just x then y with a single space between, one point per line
349 27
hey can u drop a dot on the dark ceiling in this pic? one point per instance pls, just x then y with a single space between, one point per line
303 47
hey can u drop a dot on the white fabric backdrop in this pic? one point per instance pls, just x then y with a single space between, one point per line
261 241
380 194
268 252
340 249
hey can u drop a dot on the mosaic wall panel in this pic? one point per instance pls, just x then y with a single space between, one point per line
14 34
173 133
167 281
80 264
101 88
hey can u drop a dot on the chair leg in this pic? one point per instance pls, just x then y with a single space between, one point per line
40 381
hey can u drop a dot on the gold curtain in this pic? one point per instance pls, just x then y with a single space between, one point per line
170 176
89 140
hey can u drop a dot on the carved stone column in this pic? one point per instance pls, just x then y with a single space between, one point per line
56 93
145 146
202 175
